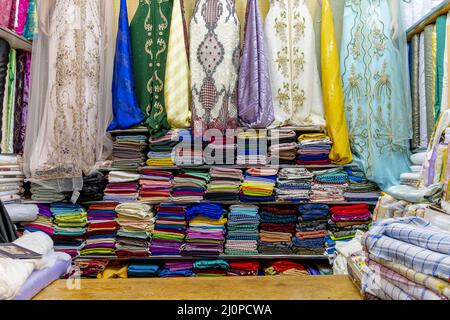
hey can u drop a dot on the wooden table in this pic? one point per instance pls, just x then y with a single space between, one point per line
229 288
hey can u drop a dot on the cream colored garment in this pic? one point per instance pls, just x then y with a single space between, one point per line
177 88
295 80
445 86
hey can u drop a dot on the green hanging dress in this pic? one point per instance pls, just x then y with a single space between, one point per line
149 31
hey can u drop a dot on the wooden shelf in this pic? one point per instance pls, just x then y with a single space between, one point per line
428 19
229 203
15 41
224 256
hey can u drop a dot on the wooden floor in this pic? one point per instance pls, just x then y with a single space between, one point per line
230 288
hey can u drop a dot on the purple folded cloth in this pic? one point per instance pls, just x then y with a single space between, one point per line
179 265
337 217
41 279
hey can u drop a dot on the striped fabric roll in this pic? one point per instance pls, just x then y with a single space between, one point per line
177 88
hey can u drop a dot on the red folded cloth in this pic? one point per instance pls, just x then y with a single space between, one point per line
281 266
245 265
357 209
281 209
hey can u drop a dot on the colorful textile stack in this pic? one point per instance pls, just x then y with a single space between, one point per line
129 152
329 186
314 149
170 230
220 152
294 185
90 268
286 268
206 233
243 268
243 234
156 185
282 147
189 152
136 221
210 268
40 193
252 147
122 186
11 178
43 222
70 227
359 188
142 270
93 187
347 220
190 185
162 150
224 184
276 229
175 268
259 185
102 230
311 230
408 259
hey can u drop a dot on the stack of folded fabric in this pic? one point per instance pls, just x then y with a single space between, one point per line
243 234
311 230
189 151
285 268
129 152
220 151
259 185
190 185
314 149
11 178
359 188
136 221
282 147
224 184
243 268
329 186
162 150
412 179
70 222
122 186
294 185
170 230
252 147
93 187
175 268
156 185
276 229
142 270
43 222
102 230
40 193
210 268
206 233
90 268
347 220
408 259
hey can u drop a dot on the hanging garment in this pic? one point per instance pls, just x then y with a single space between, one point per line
149 32
25 100
125 107
441 26
176 88
5 12
254 94
214 60
18 103
13 16
377 91
70 105
415 142
333 92
22 16
430 75
4 60
422 94
30 28
414 10
9 105
296 91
